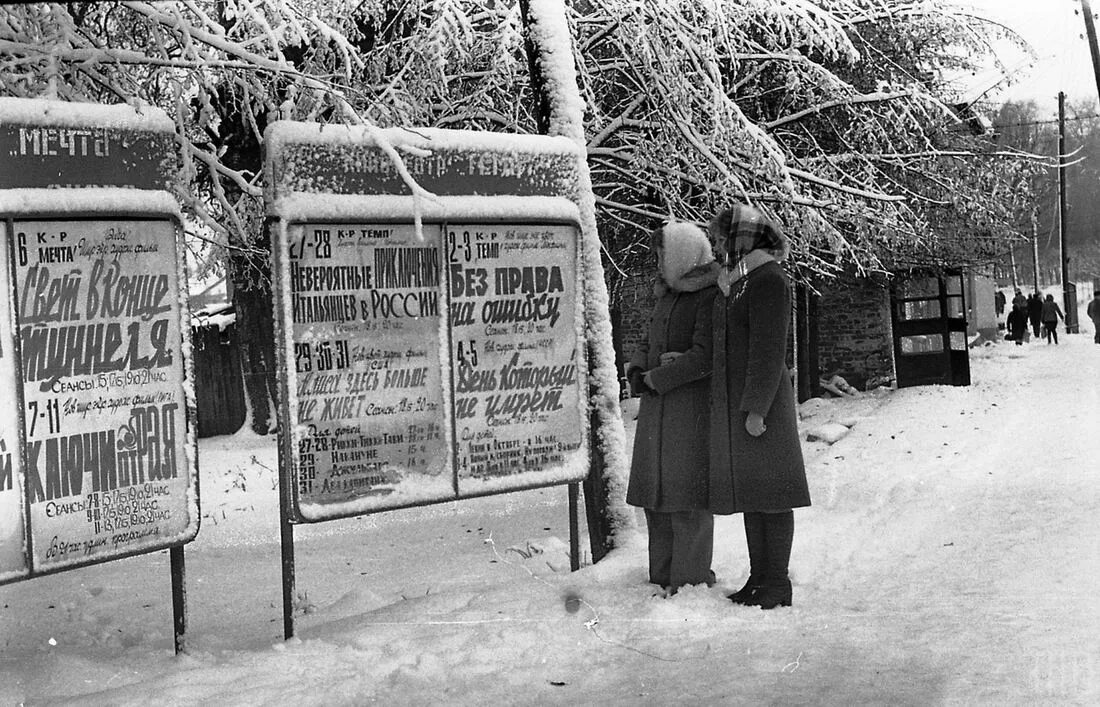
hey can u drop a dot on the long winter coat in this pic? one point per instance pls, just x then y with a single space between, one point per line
1035 310
668 471
1051 311
747 473
1017 323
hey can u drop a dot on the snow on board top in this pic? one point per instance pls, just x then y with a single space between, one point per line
58 144
392 207
109 201
40 111
336 159
286 132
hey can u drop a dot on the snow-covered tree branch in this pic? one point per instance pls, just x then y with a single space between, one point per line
838 117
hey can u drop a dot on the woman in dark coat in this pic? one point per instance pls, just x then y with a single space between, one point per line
1035 312
1017 323
1051 314
668 473
756 465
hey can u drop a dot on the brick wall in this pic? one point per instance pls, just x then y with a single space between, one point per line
634 302
854 332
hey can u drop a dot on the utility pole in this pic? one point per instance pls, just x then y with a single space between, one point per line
1035 247
1090 32
1069 291
1012 263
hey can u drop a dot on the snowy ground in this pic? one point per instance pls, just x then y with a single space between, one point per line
950 557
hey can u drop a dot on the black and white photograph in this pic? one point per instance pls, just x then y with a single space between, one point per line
550 352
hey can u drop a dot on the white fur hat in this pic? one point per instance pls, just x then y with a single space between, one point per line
685 247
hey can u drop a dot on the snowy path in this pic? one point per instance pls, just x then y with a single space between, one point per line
949 558
973 553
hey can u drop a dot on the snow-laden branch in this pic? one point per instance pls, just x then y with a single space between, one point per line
616 123
686 105
836 186
120 56
223 44
281 65
850 101
216 166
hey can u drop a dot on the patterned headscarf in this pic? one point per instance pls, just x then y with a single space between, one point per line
744 221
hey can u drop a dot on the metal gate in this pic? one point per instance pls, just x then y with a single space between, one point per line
929 318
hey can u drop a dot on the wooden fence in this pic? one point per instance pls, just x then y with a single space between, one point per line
219 386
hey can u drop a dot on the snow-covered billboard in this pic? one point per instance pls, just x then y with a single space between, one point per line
49 144
95 378
513 303
13 559
433 343
366 327
97 310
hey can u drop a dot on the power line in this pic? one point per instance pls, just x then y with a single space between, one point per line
1047 122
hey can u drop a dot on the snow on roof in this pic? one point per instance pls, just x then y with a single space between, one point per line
38 111
220 315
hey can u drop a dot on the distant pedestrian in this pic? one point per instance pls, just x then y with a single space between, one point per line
1051 314
670 370
1035 312
1094 315
999 303
1017 324
1019 298
756 464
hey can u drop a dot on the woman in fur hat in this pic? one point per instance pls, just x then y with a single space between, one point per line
668 473
756 465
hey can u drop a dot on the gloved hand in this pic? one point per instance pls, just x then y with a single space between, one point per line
669 356
636 378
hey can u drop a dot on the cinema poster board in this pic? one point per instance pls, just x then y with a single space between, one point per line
13 531
458 319
96 298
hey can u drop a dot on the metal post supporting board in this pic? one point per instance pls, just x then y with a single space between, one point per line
286 542
179 598
574 528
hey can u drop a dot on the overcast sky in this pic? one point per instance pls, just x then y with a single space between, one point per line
1056 29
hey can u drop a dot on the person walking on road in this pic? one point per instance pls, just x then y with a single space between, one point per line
1051 314
756 465
1017 324
1094 314
669 370
1035 312
1018 298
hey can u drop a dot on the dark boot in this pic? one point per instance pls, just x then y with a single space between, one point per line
769 596
775 586
758 555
